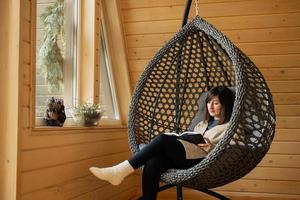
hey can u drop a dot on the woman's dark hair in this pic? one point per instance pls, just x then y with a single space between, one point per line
226 97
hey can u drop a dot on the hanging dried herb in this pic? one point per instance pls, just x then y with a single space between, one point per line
50 57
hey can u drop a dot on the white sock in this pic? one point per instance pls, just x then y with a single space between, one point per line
115 174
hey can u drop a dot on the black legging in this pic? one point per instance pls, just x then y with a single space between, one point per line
162 153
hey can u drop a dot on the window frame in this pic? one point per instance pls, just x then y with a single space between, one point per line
70 72
119 66
117 49
110 79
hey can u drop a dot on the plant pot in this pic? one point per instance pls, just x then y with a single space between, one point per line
92 120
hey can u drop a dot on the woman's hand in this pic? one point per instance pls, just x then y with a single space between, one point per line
206 146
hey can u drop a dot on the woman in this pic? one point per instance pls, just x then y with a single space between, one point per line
167 151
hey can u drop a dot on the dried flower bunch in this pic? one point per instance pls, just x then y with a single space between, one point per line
50 56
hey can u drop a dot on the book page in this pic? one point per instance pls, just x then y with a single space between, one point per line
190 132
175 134
192 137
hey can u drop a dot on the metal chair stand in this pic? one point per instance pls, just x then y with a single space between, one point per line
180 194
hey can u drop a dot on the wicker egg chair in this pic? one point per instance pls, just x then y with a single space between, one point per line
169 95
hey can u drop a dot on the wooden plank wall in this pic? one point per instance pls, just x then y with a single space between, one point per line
269 32
54 162
9 85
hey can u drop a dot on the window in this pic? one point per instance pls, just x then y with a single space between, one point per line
56 60
94 72
107 88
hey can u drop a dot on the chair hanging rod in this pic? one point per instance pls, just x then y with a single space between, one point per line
186 12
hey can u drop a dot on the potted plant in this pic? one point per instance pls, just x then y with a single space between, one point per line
89 113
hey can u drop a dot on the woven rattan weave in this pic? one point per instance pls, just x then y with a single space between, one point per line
167 94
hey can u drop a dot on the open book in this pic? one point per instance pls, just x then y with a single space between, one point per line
192 137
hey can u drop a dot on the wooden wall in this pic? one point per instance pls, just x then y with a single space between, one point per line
54 162
269 32
9 85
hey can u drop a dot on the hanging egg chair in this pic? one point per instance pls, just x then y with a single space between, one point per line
169 97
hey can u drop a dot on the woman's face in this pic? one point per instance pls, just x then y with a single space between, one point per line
214 107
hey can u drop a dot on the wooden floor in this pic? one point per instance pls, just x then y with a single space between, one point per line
188 194
204 197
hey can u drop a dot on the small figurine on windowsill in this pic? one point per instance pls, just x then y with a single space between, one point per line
55 113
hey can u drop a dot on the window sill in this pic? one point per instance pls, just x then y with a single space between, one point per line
104 126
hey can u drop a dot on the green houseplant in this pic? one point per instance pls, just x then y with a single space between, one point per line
89 113
50 57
